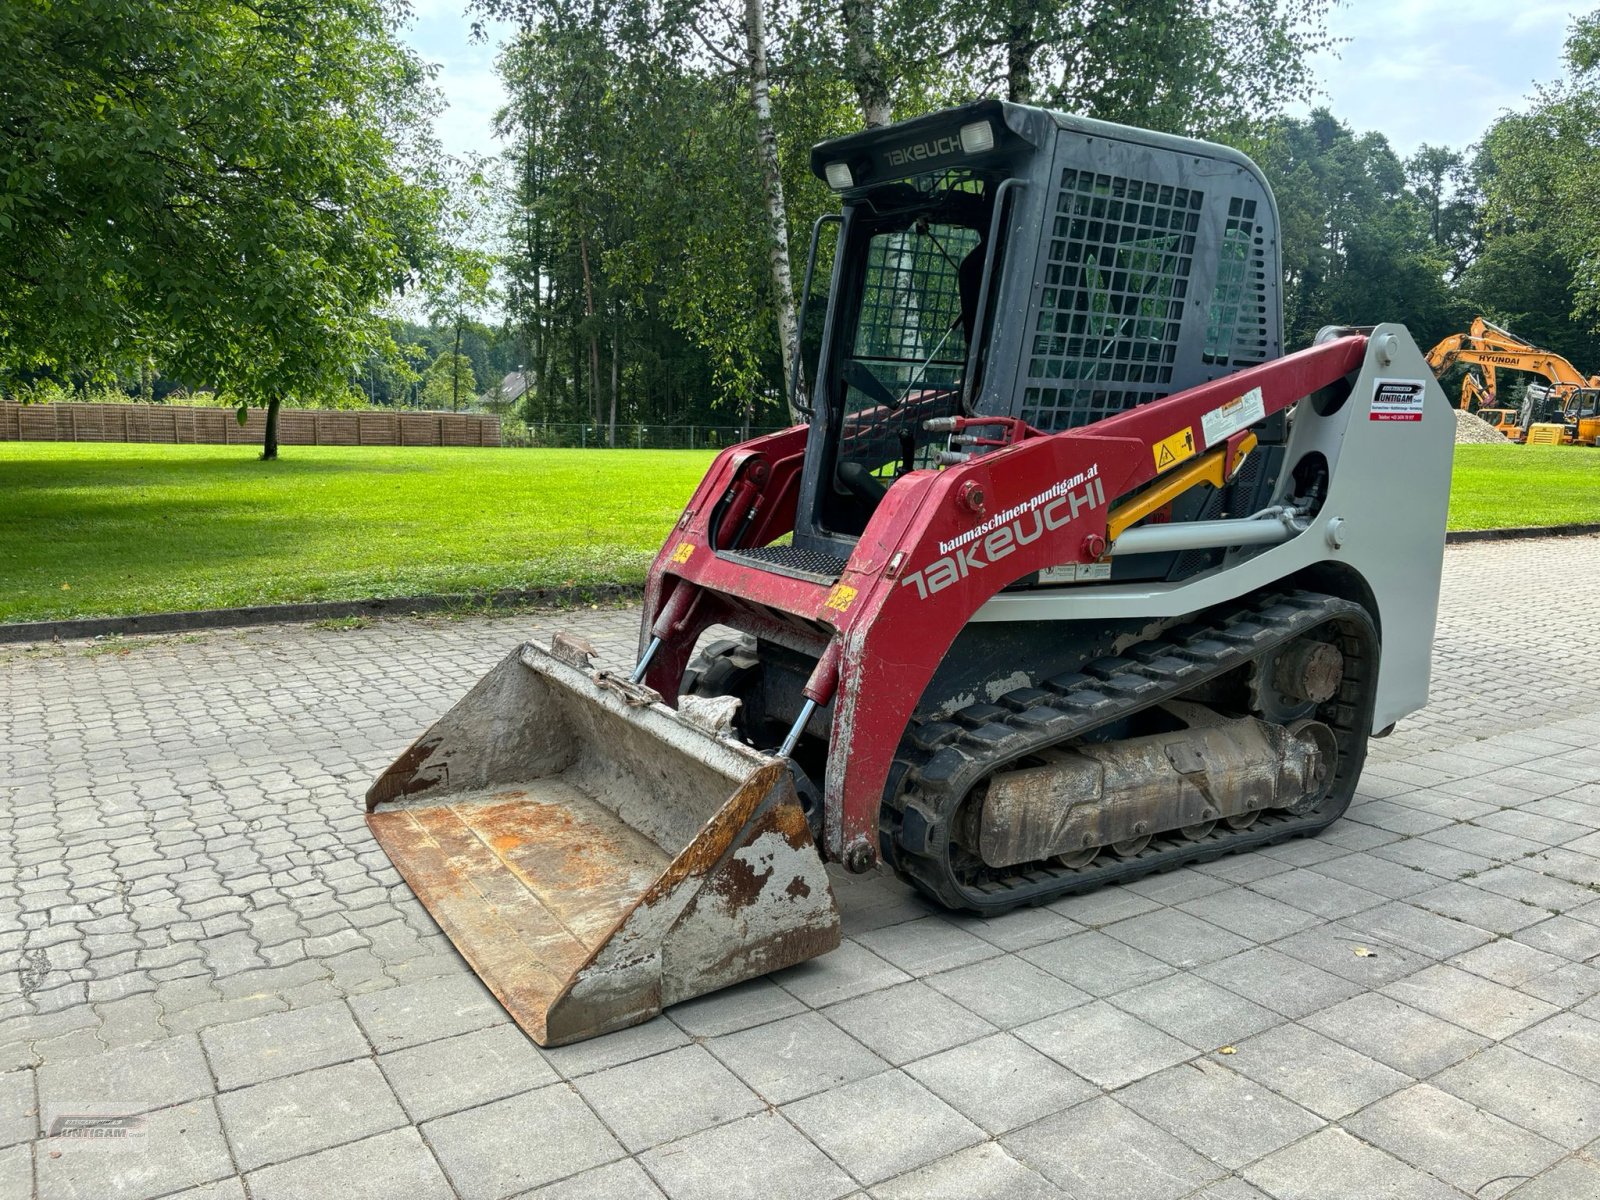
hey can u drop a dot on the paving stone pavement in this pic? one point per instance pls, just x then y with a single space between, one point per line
196 930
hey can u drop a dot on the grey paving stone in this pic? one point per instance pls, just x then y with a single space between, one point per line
300 1114
983 1172
1568 985
1251 915
283 1044
1573 1179
1196 1011
1317 894
1007 991
446 1076
667 1097
426 1011
1097 964
1464 901
1280 982
1351 956
379 1168
1230 1119
178 1148
1533 883
1469 1001
1397 818
623 1046
1564 935
621 1180
759 1157
1174 887
1105 906
1000 1082
740 1007
1568 1040
1481 1154
222 1189
795 1057
1103 1151
16 1171
1408 927
135 1078
1178 938
882 1126
1396 1034
1231 1189
1528 1092
1513 964
1332 1163
484 1151
1314 1071
851 970
19 1110
907 1022
1105 1045
1017 929
926 946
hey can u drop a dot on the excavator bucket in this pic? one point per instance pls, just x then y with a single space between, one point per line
595 855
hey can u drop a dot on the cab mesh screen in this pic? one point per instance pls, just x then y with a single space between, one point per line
1115 285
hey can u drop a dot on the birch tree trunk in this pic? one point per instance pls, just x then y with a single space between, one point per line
594 342
863 63
616 369
755 22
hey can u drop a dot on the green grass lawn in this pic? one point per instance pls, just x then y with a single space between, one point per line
89 530
1496 487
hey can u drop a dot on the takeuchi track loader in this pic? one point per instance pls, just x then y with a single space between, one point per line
1073 575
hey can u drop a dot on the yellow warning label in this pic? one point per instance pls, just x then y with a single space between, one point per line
1171 451
681 553
840 598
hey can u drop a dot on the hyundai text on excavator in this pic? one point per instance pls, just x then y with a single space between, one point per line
1072 576
1564 411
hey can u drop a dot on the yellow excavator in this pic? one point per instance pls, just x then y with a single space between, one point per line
1491 348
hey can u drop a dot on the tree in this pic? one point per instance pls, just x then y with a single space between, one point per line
458 283
1357 243
228 189
1547 166
448 379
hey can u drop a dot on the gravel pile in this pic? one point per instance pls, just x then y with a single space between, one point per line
1472 428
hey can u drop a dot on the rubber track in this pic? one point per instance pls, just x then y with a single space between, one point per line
941 761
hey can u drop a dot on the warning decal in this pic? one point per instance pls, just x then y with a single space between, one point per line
1397 399
1171 451
1233 416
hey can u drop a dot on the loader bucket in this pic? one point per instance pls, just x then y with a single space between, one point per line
596 856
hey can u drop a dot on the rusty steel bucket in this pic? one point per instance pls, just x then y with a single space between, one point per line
595 855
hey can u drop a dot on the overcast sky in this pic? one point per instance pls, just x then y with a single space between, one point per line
1417 70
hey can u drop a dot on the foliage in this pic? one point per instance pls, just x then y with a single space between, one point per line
325 523
1547 166
226 188
449 382
1358 241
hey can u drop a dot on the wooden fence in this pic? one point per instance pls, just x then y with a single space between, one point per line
219 426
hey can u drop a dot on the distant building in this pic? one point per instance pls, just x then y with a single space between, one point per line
511 389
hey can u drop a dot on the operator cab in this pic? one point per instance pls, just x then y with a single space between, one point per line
998 260
917 250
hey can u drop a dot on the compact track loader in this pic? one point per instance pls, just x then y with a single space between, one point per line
1072 576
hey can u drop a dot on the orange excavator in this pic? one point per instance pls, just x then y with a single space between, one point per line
1489 347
